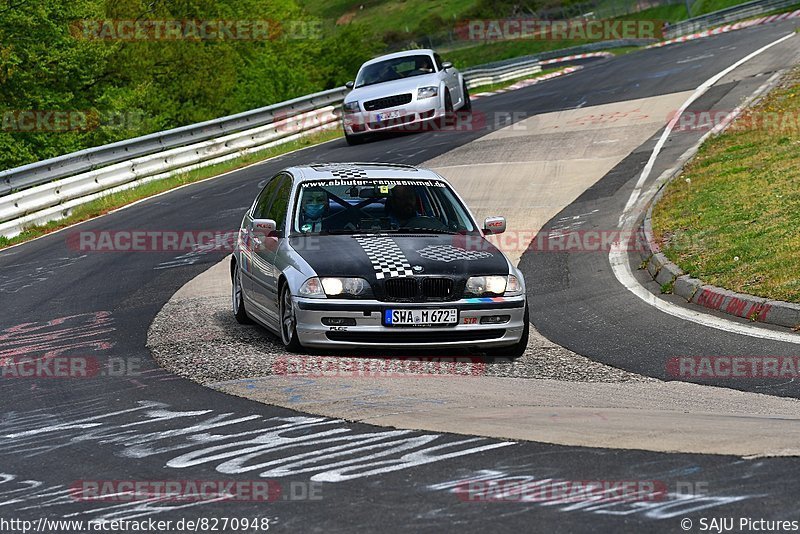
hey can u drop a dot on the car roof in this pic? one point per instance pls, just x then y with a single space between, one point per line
404 53
359 170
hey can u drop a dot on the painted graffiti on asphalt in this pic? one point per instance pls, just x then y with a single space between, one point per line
47 339
319 448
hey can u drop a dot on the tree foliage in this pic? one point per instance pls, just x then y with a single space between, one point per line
134 87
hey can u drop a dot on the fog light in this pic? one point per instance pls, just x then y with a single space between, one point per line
495 319
338 321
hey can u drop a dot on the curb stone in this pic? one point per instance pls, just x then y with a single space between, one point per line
686 286
668 273
663 271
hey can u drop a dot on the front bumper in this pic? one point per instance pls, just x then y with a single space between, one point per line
414 116
369 330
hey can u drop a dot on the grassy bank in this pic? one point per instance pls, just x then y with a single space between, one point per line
732 218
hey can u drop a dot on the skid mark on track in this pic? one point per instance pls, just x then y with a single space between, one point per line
28 274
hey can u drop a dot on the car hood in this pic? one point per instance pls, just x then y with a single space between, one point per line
394 87
380 256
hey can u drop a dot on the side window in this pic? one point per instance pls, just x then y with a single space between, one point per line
280 204
438 60
264 200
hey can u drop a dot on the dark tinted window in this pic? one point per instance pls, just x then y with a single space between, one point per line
438 60
280 203
264 201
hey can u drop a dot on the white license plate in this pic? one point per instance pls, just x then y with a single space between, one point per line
420 317
387 116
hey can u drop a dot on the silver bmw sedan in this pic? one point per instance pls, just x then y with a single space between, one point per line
375 255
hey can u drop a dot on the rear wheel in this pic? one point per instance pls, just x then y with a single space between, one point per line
237 296
288 321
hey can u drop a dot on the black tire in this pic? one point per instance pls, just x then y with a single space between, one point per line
518 349
467 102
447 118
237 297
288 320
353 140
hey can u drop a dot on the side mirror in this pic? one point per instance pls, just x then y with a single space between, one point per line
350 85
494 225
447 65
265 227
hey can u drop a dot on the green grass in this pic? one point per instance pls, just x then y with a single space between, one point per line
384 16
671 13
734 222
677 12
114 201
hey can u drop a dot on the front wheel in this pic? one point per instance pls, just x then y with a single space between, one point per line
288 321
447 117
467 102
353 140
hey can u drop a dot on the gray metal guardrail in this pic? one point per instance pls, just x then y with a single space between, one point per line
50 189
84 160
727 15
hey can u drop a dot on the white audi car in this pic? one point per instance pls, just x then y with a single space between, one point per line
404 90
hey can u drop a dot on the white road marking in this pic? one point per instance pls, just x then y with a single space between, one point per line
696 58
618 256
700 91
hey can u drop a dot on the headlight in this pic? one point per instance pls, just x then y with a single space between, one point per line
427 92
351 107
312 288
479 285
353 287
508 286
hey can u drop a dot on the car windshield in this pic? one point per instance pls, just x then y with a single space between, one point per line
395 69
371 206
